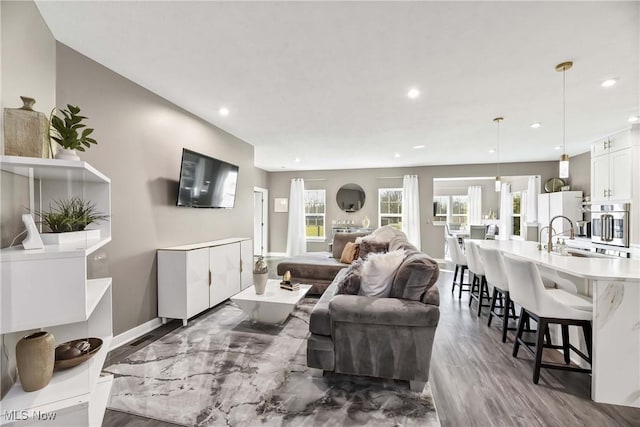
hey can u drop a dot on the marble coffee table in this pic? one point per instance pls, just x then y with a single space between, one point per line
274 306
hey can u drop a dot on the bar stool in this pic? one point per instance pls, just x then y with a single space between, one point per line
460 260
497 277
479 288
547 307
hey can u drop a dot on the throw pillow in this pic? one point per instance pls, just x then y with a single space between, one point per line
384 234
378 272
349 253
350 283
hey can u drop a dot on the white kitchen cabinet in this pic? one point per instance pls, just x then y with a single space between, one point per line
48 289
193 278
567 203
611 168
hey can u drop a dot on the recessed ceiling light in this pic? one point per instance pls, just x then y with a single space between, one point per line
633 119
491 150
224 111
396 155
536 125
413 93
297 159
608 83
557 147
417 147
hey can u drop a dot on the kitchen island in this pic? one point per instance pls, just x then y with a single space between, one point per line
614 285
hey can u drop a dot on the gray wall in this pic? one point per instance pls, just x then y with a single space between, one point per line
140 139
260 178
372 179
580 173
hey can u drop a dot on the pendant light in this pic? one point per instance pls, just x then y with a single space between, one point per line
564 159
497 120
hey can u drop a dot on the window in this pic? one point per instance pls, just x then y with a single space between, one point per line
516 199
459 210
390 207
440 208
314 210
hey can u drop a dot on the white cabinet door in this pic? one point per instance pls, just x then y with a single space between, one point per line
246 264
224 262
619 141
620 175
600 147
599 178
197 281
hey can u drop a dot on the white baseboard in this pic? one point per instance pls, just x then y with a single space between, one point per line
133 333
282 254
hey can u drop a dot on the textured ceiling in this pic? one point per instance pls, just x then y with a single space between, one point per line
326 82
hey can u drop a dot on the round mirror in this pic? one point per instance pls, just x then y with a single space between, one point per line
350 197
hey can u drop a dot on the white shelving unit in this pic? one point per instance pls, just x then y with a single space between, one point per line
48 289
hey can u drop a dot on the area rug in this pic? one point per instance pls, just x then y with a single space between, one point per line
224 370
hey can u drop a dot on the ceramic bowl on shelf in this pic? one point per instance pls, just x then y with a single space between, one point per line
73 353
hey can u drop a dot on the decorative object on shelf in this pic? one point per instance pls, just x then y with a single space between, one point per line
350 197
553 184
564 159
286 278
366 222
281 204
498 183
65 133
71 215
290 286
33 240
260 275
73 353
35 356
26 131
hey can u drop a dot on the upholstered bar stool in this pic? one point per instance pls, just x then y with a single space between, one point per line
497 277
479 288
547 307
460 261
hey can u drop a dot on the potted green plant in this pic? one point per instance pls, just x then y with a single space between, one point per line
68 219
70 133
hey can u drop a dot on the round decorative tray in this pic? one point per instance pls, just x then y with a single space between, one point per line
70 354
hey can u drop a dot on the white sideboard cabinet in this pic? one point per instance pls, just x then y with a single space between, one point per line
611 167
48 289
193 278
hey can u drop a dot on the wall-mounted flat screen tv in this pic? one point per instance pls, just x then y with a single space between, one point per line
206 182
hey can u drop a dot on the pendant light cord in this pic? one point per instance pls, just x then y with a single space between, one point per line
498 149
564 112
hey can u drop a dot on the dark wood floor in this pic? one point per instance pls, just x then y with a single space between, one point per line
474 379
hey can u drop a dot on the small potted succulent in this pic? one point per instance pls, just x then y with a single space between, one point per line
260 275
68 132
68 219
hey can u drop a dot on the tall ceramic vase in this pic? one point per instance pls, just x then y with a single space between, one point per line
260 275
35 357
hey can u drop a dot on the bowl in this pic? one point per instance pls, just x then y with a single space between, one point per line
70 358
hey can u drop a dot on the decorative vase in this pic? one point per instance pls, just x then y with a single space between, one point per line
66 154
260 275
260 282
26 131
35 358
366 222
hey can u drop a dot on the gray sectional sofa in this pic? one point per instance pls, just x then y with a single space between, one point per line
380 337
318 268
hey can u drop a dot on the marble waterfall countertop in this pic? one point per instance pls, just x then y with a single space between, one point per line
588 267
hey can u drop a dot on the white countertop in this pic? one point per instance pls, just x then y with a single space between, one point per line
622 269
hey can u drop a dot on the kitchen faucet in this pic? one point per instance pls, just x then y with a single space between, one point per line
550 232
571 236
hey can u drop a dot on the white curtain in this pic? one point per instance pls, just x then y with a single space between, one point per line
506 211
475 204
524 201
533 188
411 209
296 239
